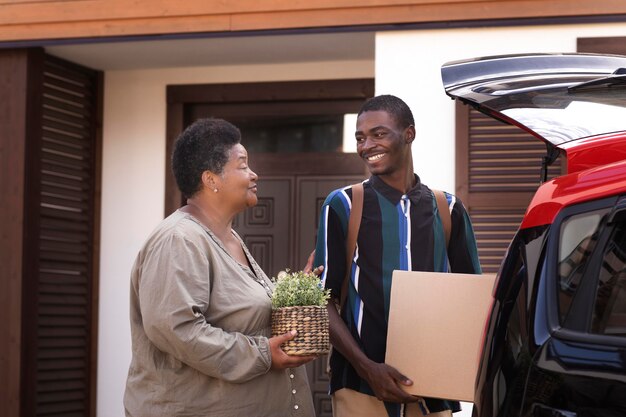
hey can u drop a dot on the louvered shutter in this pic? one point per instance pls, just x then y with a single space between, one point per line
498 171
60 363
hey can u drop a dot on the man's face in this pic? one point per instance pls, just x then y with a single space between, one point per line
383 145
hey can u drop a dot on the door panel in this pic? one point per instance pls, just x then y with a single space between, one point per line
266 228
311 193
280 232
292 131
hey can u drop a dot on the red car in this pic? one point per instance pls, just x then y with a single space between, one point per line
556 337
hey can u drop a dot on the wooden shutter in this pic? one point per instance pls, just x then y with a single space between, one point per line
498 171
63 177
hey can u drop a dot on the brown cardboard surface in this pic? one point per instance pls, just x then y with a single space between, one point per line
436 327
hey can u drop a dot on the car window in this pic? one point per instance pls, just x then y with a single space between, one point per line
560 121
609 313
578 238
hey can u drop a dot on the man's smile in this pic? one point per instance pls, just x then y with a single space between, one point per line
375 157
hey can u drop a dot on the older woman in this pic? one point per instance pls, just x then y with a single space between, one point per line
200 304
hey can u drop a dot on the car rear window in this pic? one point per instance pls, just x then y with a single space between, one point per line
578 238
609 312
559 115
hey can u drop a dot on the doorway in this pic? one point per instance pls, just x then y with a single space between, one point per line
293 132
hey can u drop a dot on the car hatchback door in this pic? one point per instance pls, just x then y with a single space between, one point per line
581 369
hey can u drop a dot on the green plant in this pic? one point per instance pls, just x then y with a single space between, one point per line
298 289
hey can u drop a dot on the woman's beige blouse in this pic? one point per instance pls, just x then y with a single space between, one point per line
200 323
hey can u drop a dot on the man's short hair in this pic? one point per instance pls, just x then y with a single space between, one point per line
203 146
397 108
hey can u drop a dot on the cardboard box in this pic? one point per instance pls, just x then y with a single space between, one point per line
437 324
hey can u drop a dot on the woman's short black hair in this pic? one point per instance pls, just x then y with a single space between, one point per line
397 108
203 146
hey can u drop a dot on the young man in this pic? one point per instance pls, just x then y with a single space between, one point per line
400 228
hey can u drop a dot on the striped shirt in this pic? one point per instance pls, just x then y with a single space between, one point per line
398 231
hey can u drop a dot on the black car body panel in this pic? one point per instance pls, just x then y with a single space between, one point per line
531 365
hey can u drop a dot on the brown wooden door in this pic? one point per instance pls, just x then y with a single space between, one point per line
281 229
287 118
312 192
267 228
293 134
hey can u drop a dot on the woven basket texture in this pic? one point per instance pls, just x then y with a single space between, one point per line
311 322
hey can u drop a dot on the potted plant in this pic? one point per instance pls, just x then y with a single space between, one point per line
299 303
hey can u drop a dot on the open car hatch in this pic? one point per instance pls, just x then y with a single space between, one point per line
558 98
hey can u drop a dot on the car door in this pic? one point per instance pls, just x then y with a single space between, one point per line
581 369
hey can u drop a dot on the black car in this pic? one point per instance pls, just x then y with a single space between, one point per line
555 343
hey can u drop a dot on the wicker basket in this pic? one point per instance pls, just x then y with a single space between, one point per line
311 322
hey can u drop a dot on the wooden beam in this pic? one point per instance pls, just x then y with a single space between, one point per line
39 20
612 45
425 13
20 12
113 28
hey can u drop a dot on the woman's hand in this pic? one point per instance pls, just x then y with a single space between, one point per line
280 360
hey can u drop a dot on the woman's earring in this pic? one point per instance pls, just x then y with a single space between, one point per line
215 190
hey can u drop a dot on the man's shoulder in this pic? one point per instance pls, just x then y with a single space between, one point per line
340 195
451 198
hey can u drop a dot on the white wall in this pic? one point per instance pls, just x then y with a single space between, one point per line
408 65
133 184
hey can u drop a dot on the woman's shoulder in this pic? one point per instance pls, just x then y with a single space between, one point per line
179 227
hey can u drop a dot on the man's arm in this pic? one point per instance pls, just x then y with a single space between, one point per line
383 379
462 251
330 253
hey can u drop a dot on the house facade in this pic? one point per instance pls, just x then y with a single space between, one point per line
95 92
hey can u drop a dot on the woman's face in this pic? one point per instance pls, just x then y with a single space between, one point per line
237 181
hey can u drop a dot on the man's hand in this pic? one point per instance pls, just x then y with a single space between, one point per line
280 360
385 381
309 265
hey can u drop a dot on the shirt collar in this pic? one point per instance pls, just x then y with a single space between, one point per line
393 195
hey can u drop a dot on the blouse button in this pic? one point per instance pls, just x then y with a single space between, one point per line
293 391
291 376
295 407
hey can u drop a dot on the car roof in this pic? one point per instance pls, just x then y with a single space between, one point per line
558 98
